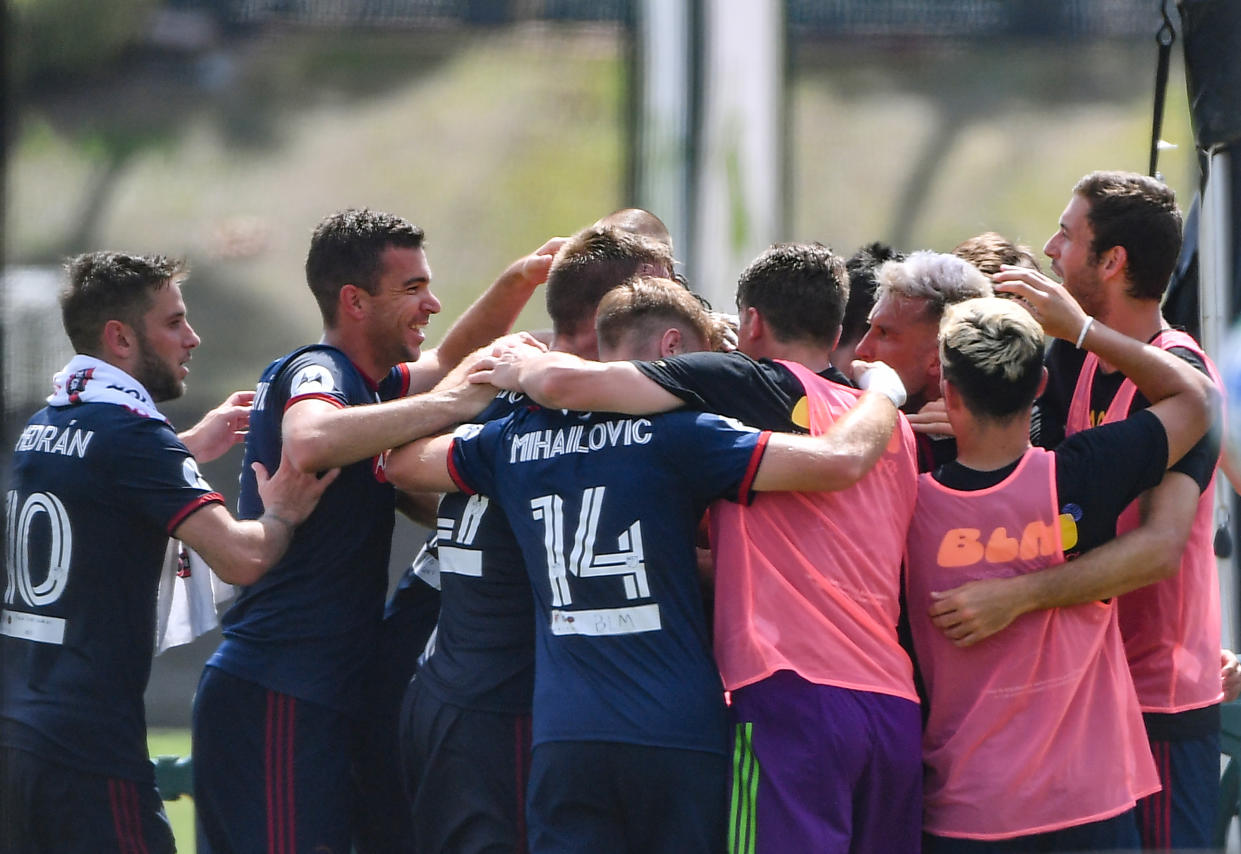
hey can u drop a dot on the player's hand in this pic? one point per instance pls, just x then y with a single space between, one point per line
533 268
932 419
221 428
291 494
503 368
976 610
1229 675
880 377
1048 302
485 356
725 326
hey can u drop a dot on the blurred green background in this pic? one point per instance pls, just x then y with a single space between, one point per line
223 134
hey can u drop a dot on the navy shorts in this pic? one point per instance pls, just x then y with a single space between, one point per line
46 807
1119 833
1183 814
612 798
271 772
466 774
382 821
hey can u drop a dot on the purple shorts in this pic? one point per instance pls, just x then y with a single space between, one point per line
824 769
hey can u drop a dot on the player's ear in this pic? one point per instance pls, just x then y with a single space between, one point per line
352 302
671 343
118 339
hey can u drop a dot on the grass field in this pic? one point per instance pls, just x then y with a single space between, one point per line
176 742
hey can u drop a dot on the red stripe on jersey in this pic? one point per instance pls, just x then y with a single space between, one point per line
405 378
745 490
456 475
197 504
314 396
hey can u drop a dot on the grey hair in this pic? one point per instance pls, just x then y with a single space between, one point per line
937 279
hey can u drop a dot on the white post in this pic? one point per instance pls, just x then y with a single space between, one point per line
664 113
737 208
1214 288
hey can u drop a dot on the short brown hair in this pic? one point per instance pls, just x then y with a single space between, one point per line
105 286
646 306
1140 214
799 288
989 251
346 248
591 263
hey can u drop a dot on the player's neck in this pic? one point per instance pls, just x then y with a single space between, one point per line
355 347
986 445
817 359
1139 319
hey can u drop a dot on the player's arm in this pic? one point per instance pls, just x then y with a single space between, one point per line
318 435
422 466
240 551
220 429
849 449
1147 554
565 381
1182 397
492 315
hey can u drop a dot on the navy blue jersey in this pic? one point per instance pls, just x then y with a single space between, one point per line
308 625
605 508
96 492
484 643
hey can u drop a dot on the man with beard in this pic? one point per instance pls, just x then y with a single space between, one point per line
280 704
1115 249
100 482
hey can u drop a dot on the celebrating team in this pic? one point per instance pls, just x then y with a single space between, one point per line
686 589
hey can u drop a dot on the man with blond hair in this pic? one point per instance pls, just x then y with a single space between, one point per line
1015 722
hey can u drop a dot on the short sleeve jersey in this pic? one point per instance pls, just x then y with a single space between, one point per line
759 392
605 509
96 492
307 627
484 646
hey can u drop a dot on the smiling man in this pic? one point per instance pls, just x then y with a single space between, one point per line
1115 249
277 709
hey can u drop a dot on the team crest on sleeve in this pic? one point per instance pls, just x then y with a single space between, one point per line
313 379
467 431
737 425
189 469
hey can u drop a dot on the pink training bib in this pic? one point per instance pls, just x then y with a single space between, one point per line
1036 728
1171 628
810 581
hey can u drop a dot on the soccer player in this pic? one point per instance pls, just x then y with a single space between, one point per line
100 482
1115 250
807 588
861 268
630 737
911 299
465 734
278 701
1034 740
